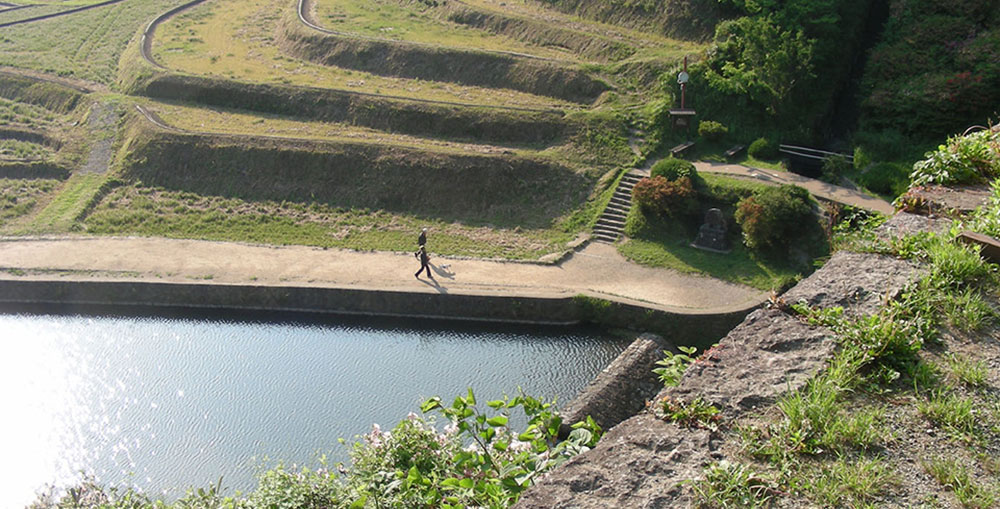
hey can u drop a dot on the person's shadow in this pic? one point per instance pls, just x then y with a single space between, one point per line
443 270
434 284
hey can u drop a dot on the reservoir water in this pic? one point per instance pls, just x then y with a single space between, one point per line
166 403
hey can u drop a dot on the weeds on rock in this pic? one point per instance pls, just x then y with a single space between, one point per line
733 485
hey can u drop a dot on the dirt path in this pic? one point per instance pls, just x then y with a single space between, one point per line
598 270
815 187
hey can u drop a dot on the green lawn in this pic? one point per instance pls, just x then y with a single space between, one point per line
157 212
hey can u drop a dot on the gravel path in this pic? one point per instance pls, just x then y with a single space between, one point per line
101 123
596 270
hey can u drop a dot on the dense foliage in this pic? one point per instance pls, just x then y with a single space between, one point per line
936 69
665 197
970 159
780 66
672 168
774 216
712 130
763 149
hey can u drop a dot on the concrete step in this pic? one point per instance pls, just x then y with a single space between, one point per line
610 223
617 209
626 204
605 238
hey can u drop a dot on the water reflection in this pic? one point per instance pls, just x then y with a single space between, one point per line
167 403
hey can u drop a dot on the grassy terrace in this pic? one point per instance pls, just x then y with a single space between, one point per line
86 45
145 211
235 39
237 122
26 115
416 22
20 197
647 45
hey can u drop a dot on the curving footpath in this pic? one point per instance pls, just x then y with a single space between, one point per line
597 270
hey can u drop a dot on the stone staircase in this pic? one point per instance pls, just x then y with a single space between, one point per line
611 225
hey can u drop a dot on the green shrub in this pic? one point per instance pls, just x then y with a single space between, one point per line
672 169
665 197
712 130
763 149
834 168
774 216
886 178
967 159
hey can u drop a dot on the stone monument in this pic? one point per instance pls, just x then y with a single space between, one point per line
712 234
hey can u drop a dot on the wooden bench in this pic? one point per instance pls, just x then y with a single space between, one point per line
681 148
735 149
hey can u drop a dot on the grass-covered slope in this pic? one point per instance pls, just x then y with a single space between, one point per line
504 190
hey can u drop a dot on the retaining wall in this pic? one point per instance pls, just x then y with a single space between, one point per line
682 328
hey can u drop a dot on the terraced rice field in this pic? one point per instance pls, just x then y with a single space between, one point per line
235 39
446 123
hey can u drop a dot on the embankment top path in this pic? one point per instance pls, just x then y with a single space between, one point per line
596 270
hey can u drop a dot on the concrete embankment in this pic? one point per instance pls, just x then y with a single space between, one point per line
67 294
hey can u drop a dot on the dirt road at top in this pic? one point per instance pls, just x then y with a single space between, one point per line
596 270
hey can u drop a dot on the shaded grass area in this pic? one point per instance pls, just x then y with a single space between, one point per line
668 246
236 40
85 45
20 197
133 210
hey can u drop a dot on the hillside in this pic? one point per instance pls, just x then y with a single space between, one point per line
508 128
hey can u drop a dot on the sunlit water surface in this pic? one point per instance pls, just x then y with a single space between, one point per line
165 404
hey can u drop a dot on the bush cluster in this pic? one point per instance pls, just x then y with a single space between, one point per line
665 197
672 168
712 130
774 216
969 159
763 149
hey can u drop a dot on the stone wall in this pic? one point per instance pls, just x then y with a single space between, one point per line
644 461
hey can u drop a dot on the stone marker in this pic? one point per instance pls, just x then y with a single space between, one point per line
712 234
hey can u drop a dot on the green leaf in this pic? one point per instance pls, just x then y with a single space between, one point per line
500 420
413 475
360 503
471 398
430 404
467 483
501 445
451 482
488 434
497 403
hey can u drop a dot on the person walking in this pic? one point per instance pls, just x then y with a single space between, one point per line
422 239
421 255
